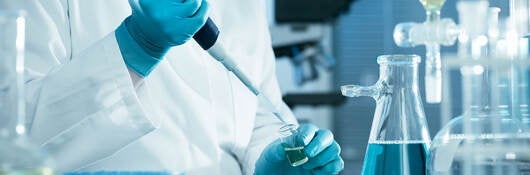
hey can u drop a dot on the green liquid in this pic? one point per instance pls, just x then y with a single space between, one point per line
35 171
296 156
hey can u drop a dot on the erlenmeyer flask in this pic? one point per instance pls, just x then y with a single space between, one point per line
17 154
399 137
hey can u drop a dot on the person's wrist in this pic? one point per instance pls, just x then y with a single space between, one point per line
133 54
151 48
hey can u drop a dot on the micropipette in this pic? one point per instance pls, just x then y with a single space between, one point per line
207 37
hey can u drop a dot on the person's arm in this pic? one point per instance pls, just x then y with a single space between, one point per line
87 109
83 107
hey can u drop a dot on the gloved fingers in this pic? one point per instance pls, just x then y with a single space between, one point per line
306 133
329 154
188 8
334 167
202 13
198 20
322 140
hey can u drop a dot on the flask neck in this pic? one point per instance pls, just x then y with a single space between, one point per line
399 76
394 77
399 115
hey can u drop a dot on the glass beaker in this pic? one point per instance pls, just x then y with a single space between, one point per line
17 154
399 137
293 145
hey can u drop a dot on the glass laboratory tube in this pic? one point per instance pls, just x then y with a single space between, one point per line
18 156
410 34
293 145
520 12
433 72
432 33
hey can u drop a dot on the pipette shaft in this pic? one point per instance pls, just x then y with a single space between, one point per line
220 55
207 37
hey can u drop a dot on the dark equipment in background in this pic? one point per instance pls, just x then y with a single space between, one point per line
297 20
309 10
305 57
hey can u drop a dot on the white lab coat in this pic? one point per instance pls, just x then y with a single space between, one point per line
189 115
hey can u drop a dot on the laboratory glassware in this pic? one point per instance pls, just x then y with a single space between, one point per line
520 25
432 33
487 137
17 154
520 12
399 137
293 145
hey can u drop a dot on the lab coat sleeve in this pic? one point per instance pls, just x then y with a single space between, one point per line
82 109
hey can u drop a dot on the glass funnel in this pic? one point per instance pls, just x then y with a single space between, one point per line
399 137
18 156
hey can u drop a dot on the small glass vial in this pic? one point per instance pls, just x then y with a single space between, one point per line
293 145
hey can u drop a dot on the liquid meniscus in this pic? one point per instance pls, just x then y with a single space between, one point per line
395 159
296 156
432 4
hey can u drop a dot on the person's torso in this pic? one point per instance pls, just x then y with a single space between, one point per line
203 113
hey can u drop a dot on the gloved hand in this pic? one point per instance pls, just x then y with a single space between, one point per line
321 149
155 26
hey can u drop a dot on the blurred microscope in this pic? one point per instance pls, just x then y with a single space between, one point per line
302 37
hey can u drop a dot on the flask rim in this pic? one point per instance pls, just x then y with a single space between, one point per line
398 59
288 129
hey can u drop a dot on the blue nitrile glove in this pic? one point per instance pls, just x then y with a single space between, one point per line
321 149
155 26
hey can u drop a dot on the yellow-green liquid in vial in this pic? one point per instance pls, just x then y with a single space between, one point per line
34 171
296 156
432 4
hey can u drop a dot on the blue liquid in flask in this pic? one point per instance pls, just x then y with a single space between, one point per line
395 159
